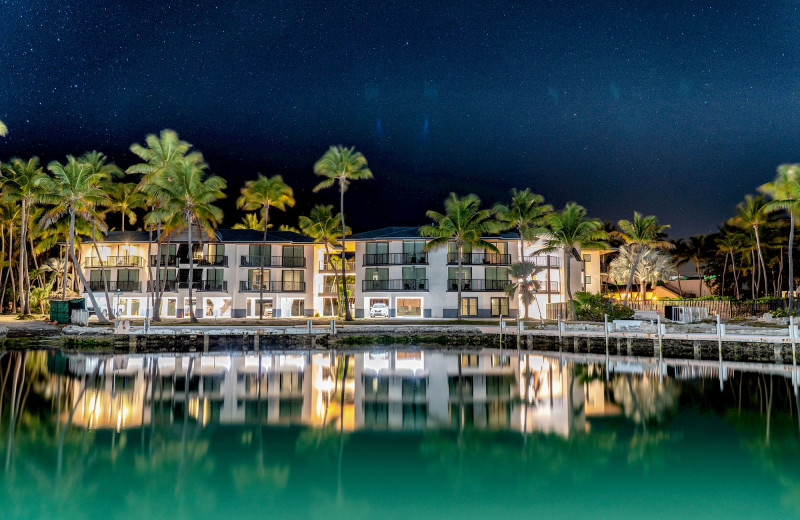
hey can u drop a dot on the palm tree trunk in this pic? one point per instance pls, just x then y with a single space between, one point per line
347 315
735 276
261 267
11 269
21 262
64 277
633 271
791 261
724 268
35 262
102 274
753 274
458 280
78 269
335 278
152 291
700 276
191 271
158 291
761 261
569 289
522 259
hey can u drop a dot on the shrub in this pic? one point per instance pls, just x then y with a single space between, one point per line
592 307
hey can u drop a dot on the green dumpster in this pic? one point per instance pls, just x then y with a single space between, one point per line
60 310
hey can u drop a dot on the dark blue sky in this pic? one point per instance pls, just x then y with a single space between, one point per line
671 108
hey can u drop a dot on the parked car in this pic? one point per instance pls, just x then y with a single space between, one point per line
379 310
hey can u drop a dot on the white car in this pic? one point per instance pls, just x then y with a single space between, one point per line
379 309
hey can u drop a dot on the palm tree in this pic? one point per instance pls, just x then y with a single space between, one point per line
641 232
648 265
19 183
524 273
569 230
74 189
341 165
729 243
752 213
3 129
184 197
160 153
260 195
251 221
323 226
785 193
697 252
125 199
526 214
464 223
678 247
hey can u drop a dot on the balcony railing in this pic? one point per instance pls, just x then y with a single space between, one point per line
274 286
169 285
478 284
214 285
349 265
543 287
212 260
333 288
395 258
273 261
480 258
166 260
115 261
545 261
394 285
123 286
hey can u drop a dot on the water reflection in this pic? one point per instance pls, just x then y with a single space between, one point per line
328 434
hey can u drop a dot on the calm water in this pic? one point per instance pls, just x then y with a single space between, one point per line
394 434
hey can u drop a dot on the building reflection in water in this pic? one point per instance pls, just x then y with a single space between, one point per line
391 390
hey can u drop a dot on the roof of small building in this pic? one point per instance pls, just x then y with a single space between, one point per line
397 232
222 235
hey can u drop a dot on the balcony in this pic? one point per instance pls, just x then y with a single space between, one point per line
169 285
543 287
479 259
272 261
214 286
394 285
545 261
273 287
350 265
212 260
478 284
122 286
396 259
115 261
333 288
166 260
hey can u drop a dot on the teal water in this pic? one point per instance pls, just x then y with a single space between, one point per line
394 434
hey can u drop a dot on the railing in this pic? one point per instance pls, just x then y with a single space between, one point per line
395 258
333 288
545 261
350 265
166 260
543 287
115 261
478 284
123 286
394 285
480 258
274 286
169 285
273 261
218 260
214 285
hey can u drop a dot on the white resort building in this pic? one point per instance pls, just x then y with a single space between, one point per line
388 266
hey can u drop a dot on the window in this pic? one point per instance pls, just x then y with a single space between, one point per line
588 280
414 278
293 281
499 306
496 278
216 250
500 256
469 307
98 275
256 251
452 278
409 307
414 251
376 278
298 308
214 275
256 310
172 305
587 258
469 360
377 253
254 279
128 275
293 256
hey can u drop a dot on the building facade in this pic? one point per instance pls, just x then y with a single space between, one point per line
388 266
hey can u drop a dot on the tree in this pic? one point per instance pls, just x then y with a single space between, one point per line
752 213
125 198
464 223
525 286
341 165
647 264
185 197
260 195
785 193
323 226
251 221
20 183
641 232
3 129
697 252
74 189
569 230
526 214
730 243
160 153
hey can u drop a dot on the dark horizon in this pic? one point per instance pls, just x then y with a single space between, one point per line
673 111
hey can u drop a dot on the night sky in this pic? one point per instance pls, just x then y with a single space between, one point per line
671 108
